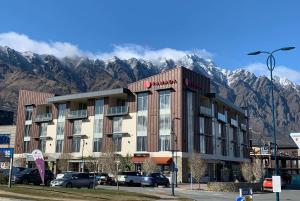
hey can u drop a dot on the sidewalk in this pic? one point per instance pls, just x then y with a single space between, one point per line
187 186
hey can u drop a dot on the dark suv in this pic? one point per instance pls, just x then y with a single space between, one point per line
155 179
78 180
29 175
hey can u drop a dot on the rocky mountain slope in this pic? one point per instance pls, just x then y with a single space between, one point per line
68 75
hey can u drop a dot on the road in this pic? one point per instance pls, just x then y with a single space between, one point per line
285 195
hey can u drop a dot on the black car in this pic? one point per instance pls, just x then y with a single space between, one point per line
15 170
29 176
155 179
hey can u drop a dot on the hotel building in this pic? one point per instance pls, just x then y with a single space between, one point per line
173 110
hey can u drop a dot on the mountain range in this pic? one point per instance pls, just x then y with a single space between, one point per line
27 70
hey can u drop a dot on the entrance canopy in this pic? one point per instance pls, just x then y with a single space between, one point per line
157 160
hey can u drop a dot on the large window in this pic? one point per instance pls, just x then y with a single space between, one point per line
76 144
59 146
142 120
29 110
164 120
43 129
202 135
77 127
117 143
117 124
26 147
27 132
98 125
61 111
190 121
42 145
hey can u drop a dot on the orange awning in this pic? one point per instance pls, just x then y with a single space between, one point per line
157 160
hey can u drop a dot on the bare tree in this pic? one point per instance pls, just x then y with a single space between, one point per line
247 171
149 166
198 166
91 164
258 170
126 163
62 163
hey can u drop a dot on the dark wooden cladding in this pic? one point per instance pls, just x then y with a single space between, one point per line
28 98
91 107
68 133
107 127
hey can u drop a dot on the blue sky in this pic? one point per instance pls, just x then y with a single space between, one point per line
225 30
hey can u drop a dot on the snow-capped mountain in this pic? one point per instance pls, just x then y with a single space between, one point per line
47 73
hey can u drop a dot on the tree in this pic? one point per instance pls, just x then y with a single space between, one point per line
247 171
126 163
198 167
149 166
91 164
62 163
258 170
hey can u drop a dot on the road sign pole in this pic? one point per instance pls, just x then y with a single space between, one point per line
10 170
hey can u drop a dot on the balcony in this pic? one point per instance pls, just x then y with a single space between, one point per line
234 122
43 117
117 111
222 117
77 114
206 111
243 127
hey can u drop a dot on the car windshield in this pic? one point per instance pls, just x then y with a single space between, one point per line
64 176
26 171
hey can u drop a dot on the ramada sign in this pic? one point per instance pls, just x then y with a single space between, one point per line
149 84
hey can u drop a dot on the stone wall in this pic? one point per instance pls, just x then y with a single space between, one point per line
231 186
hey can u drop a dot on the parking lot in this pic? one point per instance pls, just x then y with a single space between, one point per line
286 195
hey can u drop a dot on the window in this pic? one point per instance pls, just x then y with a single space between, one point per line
61 111
59 146
99 107
202 135
4 138
43 129
142 102
27 131
76 144
97 144
141 143
98 128
117 143
77 127
190 119
60 128
26 146
28 115
164 120
42 145
117 124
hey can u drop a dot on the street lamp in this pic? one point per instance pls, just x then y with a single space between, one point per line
117 163
173 150
271 66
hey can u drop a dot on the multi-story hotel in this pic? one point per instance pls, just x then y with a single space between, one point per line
173 110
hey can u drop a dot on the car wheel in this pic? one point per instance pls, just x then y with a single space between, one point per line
167 184
69 185
155 184
25 181
131 183
48 183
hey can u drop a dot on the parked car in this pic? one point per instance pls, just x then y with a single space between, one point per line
155 179
268 185
129 178
70 180
29 176
15 170
104 178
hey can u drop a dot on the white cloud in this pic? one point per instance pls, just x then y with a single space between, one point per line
23 43
280 71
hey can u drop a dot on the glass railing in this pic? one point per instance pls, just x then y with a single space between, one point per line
117 110
43 117
244 127
222 117
205 111
234 122
77 114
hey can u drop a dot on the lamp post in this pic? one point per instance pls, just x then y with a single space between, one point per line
173 150
117 163
271 66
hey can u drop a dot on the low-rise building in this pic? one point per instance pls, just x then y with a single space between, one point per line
174 110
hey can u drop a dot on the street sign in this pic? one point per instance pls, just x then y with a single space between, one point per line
6 154
264 150
276 184
296 138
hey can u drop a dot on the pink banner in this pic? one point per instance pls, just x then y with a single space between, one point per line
39 162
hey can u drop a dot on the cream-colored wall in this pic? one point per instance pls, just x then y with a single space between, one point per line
87 129
51 132
129 141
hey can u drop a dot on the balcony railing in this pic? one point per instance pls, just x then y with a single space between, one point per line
77 114
43 117
117 111
206 111
234 122
222 117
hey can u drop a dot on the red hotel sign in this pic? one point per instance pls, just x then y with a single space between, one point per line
149 84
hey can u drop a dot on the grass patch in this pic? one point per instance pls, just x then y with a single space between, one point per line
47 193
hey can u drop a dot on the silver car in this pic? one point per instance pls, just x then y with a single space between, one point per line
77 180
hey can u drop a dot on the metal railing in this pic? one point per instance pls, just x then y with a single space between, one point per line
43 117
117 110
77 114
